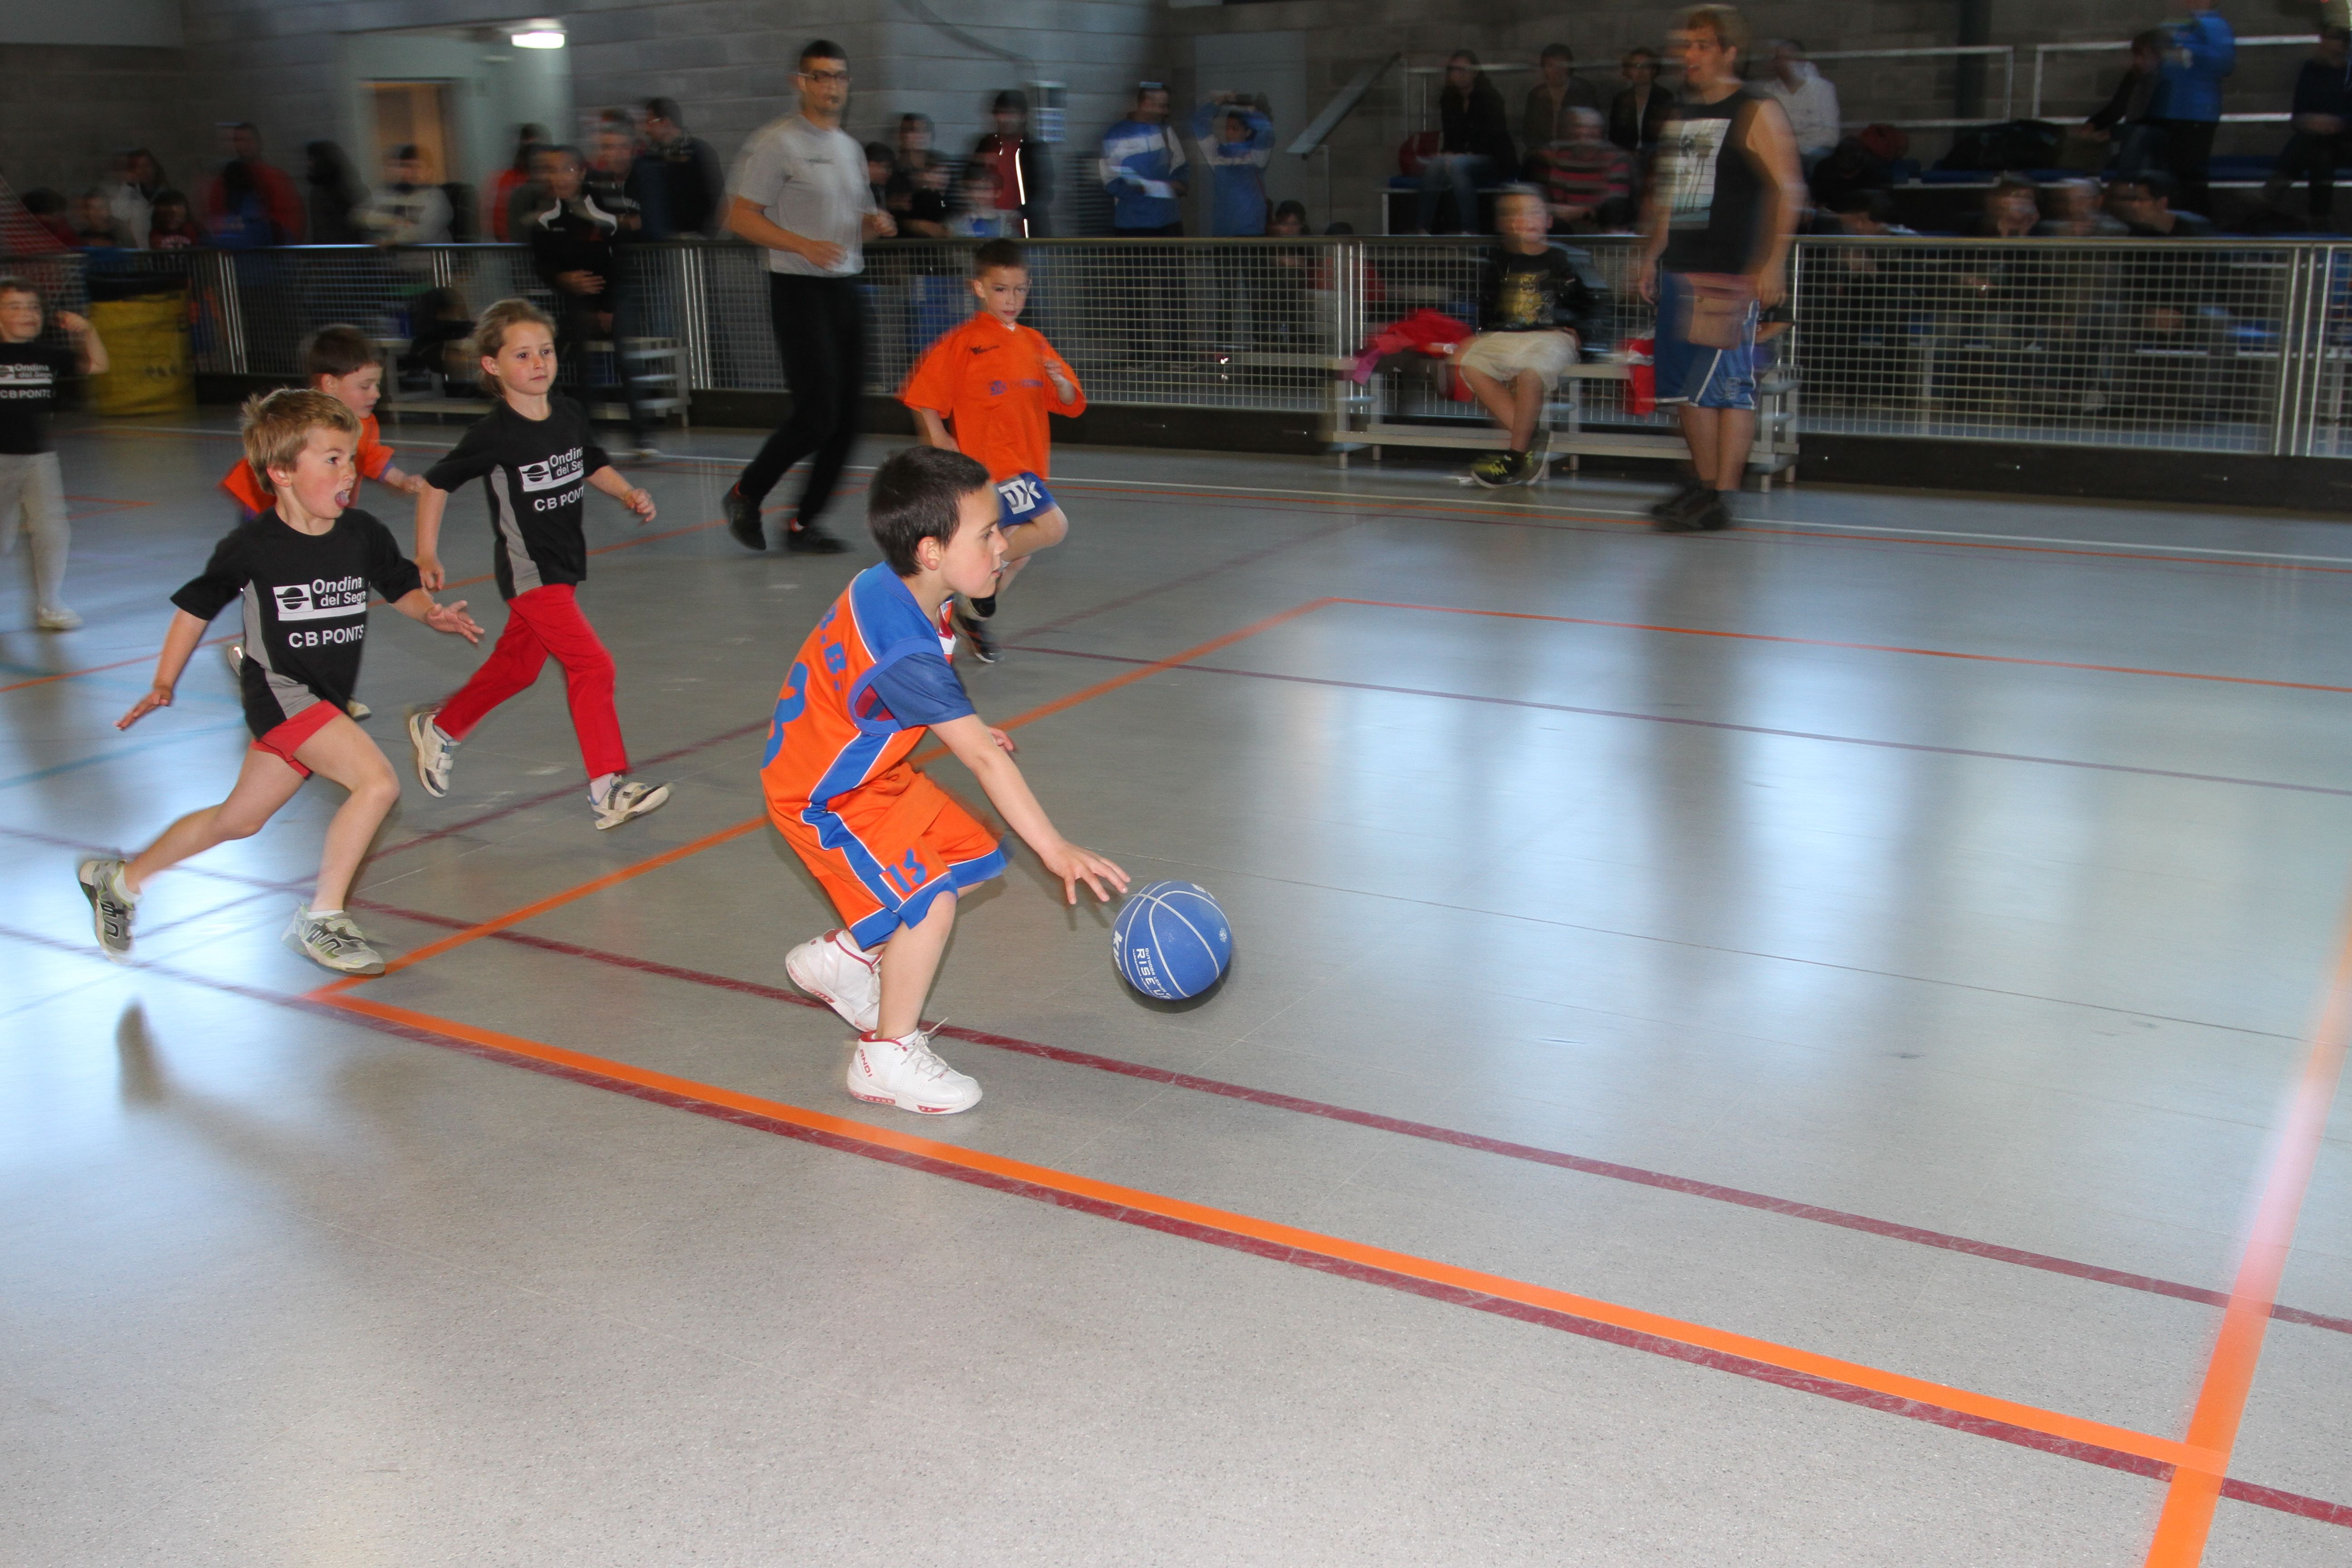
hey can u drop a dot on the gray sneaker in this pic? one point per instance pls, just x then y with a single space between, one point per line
431 750
111 905
333 941
629 800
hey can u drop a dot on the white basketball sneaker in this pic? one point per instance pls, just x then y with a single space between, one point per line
903 1072
843 975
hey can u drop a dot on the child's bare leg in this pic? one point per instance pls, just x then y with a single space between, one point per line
1527 408
263 784
342 753
910 961
1042 531
1493 395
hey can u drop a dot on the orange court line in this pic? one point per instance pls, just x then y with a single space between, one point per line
1878 1380
2190 1499
1860 647
709 840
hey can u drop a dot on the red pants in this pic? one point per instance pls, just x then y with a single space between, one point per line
542 622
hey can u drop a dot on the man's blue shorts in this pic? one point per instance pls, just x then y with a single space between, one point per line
1021 499
1690 372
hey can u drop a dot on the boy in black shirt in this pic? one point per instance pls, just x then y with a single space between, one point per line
1538 304
29 481
536 458
303 569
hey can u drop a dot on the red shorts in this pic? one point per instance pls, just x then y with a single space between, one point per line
887 848
287 739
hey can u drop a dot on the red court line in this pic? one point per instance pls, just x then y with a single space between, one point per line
1557 1310
101 668
1703 723
2183 1527
1860 647
1787 1208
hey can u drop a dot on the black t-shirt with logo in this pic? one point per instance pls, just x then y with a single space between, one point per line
29 375
1556 288
1715 196
306 606
535 472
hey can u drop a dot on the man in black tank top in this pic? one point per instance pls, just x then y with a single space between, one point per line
1722 208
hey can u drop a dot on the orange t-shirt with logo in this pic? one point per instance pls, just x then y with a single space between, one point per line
372 459
989 381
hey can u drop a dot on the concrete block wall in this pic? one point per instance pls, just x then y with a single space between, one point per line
65 108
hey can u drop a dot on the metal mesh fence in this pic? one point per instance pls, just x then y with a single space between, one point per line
2211 346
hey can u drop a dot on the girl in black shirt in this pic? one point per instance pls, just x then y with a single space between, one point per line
303 569
535 456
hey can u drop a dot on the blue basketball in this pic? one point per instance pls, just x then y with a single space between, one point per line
1170 940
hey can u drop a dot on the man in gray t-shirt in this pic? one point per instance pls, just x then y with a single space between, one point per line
799 190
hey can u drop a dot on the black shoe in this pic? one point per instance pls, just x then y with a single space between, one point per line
1527 467
983 646
743 520
983 608
1675 513
809 539
1712 516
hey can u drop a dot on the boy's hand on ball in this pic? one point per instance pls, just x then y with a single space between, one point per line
1004 742
158 697
1073 865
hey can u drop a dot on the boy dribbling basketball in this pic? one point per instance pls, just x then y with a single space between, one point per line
984 390
890 848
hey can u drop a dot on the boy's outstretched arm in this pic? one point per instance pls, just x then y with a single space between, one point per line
608 479
179 647
988 754
430 502
419 606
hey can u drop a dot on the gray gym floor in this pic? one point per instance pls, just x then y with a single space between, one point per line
1750 1050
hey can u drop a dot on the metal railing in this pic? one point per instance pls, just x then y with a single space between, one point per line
2215 346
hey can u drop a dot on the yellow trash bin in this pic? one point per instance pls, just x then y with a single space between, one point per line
147 342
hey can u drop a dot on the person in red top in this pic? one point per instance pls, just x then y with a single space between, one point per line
279 200
1024 181
341 362
984 390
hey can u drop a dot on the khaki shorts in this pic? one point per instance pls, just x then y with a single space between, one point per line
1508 356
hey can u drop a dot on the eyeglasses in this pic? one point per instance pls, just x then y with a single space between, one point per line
824 76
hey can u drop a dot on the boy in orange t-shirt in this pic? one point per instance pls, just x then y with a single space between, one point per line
339 361
984 390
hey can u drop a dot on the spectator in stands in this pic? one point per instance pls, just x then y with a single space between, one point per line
499 202
2145 205
917 192
1638 114
1584 175
407 211
251 199
1143 169
93 222
675 178
977 215
2012 210
880 161
1475 145
336 193
132 198
1024 178
2075 213
1861 215
575 248
2187 109
170 226
2322 118
2125 110
1559 91
1237 139
1806 98
607 178
51 209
